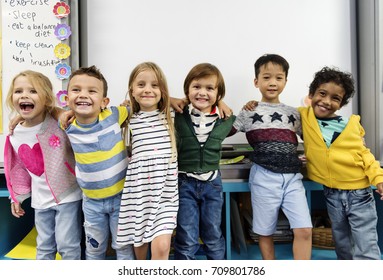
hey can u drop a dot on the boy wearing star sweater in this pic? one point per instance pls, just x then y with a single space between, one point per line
275 180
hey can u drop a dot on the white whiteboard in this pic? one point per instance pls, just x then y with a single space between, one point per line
28 43
230 34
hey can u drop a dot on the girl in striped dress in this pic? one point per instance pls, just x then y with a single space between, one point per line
149 203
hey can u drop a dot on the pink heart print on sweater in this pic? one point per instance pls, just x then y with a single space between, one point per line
32 158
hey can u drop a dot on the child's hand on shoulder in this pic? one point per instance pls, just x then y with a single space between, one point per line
379 190
224 110
13 123
250 106
178 104
66 118
125 103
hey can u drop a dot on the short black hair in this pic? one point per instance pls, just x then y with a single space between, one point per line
273 58
343 79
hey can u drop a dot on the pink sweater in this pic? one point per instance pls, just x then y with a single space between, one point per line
58 164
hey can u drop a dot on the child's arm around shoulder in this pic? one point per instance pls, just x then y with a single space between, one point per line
65 117
178 104
125 110
241 120
250 105
224 110
59 114
13 122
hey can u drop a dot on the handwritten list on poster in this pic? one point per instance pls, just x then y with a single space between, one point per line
29 40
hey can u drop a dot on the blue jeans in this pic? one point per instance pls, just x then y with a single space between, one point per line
59 230
101 219
353 220
199 215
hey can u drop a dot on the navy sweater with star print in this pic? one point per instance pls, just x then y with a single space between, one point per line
271 129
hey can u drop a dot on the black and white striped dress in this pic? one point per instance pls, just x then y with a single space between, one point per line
149 201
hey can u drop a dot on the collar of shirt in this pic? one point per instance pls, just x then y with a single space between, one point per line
194 110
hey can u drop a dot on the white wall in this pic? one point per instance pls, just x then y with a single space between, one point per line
230 34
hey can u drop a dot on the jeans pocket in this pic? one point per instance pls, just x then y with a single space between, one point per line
362 196
361 192
216 184
253 172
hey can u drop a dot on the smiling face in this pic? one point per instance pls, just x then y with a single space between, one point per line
203 93
271 81
327 99
86 98
145 90
28 102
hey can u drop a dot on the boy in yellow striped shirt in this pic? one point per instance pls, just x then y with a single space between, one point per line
101 159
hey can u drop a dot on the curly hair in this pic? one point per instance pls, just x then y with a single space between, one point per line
343 79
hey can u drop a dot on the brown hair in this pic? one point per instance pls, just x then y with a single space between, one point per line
203 70
94 72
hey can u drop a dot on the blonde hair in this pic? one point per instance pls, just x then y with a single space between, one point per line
40 83
164 103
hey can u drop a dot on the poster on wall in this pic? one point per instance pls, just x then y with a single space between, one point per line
35 37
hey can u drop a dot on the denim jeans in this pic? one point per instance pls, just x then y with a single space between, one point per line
101 219
59 230
199 215
353 220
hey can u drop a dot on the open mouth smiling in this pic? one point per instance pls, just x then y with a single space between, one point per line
26 106
83 104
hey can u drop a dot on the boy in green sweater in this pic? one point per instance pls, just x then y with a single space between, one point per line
200 132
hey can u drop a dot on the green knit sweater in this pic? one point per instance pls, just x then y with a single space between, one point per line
192 157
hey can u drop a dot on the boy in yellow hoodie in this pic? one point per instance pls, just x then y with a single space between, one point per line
338 158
